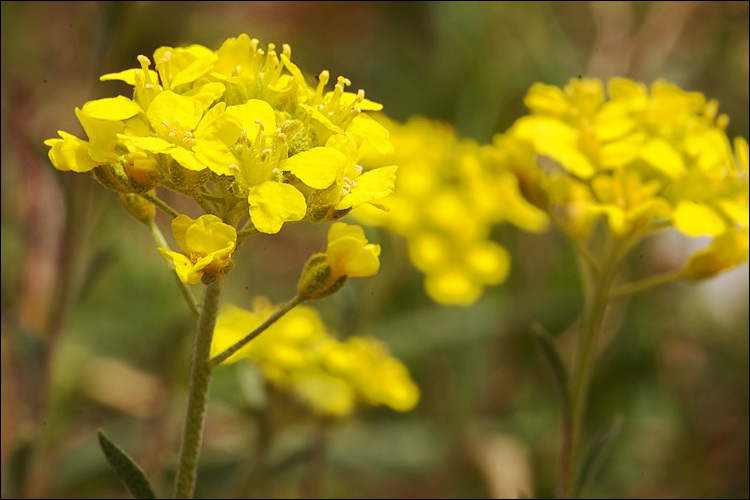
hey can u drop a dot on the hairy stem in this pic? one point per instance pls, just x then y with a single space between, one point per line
200 382
161 204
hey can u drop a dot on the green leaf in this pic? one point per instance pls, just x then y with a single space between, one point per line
545 342
127 470
597 453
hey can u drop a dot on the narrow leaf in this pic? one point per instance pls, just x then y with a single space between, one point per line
546 345
127 470
597 453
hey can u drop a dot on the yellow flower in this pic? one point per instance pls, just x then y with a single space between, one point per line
448 195
242 119
627 201
257 168
297 353
102 120
725 252
187 132
208 245
366 364
349 255
639 156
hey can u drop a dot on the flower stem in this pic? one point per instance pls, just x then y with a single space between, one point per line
163 206
596 305
204 204
221 357
247 230
583 250
200 381
184 289
645 284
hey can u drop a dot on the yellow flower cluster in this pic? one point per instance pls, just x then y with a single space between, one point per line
298 354
643 158
243 119
449 194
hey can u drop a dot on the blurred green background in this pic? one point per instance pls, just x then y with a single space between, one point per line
94 332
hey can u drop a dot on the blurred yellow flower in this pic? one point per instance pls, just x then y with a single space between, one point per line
449 194
349 255
298 354
642 157
727 250
208 245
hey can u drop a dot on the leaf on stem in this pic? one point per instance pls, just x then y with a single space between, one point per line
597 453
545 342
126 469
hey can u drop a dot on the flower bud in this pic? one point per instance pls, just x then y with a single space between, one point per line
138 206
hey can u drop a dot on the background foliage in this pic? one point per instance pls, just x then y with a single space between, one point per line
94 333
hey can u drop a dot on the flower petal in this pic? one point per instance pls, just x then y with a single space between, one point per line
185 269
215 155
254 110
272 204
316 167
371 186
70 153
113 108
695 220
129 76
173 109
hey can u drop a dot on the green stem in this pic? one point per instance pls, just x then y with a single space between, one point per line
658 225
184 289
645 284
161 204
583 251
211 197
200 381
595 309
204 204
247 230
221 357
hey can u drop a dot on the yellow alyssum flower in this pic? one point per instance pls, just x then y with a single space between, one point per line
208 245
449 194
641 154
643 157
298 354
365 364
239 125
348 255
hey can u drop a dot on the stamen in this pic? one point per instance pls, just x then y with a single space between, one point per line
322 82
260 138
163 68
145 64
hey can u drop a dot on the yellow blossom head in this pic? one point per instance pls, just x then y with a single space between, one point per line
636 155
449 194
207 244
240 122
642 158
297 353
348 255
